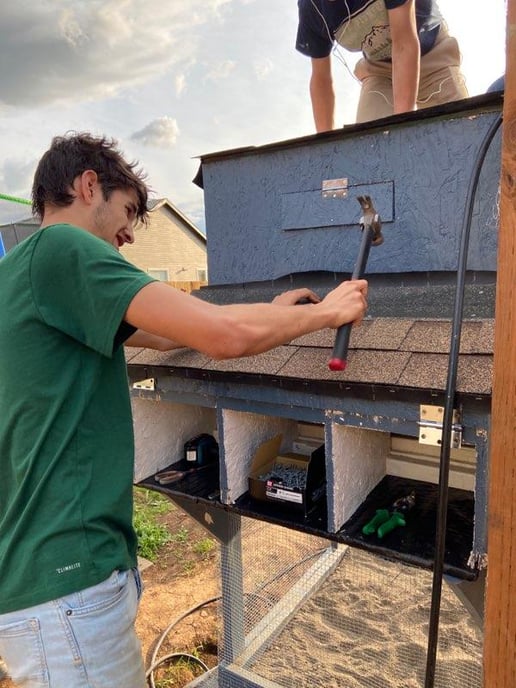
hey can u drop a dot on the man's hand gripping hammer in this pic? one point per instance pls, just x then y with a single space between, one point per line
371 236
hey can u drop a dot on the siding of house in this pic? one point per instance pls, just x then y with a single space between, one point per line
168 244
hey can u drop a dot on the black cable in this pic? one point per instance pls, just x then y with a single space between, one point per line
453 359
155 663
176 656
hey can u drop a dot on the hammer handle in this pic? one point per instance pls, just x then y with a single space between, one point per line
340 348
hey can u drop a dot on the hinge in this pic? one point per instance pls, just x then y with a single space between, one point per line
335 188
431 426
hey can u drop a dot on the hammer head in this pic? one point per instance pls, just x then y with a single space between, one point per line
371 218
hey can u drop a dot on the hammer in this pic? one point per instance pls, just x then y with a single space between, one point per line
371 236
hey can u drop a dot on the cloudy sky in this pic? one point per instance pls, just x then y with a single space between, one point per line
172 80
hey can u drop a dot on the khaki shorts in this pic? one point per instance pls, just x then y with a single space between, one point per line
440 81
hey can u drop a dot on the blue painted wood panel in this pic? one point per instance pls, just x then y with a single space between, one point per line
310 209
265 217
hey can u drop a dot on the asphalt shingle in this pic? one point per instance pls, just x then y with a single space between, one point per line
404 352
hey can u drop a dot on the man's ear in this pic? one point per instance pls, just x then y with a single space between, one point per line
86 186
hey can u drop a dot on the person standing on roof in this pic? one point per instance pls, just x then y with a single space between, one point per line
409 61
69 301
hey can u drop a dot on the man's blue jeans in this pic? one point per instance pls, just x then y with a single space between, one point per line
83 640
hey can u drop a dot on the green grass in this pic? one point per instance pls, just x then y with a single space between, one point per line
204 547
182 670
181 537
152 535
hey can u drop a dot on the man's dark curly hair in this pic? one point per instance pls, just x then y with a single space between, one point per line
74 153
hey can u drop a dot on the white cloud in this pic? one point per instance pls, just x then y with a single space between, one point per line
64 50
180 84
227 70
221 70
262 68
16 176
161 132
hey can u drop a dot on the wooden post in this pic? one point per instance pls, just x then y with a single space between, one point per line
500 617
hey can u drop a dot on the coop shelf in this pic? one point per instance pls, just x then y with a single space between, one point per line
202 485
412 544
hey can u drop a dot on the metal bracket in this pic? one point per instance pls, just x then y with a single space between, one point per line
217 521
431 426
149 384
335 188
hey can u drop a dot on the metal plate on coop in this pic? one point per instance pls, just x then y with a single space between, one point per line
431 426
312 208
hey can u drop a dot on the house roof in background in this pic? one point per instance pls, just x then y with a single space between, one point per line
157 203
24 222
13 233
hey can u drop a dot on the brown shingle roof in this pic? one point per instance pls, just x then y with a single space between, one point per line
398 352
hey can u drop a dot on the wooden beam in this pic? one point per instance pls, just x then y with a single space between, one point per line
500 617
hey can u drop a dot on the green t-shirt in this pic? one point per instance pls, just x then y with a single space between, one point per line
66 434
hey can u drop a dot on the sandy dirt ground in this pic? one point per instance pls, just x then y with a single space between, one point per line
364 627
180 581
367 627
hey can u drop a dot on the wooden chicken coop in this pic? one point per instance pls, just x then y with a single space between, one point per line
371 434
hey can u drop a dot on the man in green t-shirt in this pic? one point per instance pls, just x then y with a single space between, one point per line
69 587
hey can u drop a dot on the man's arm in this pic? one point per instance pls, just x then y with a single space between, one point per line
405 56
322 94
241 329
147 340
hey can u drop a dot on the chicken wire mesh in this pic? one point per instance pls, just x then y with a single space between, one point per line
314 614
